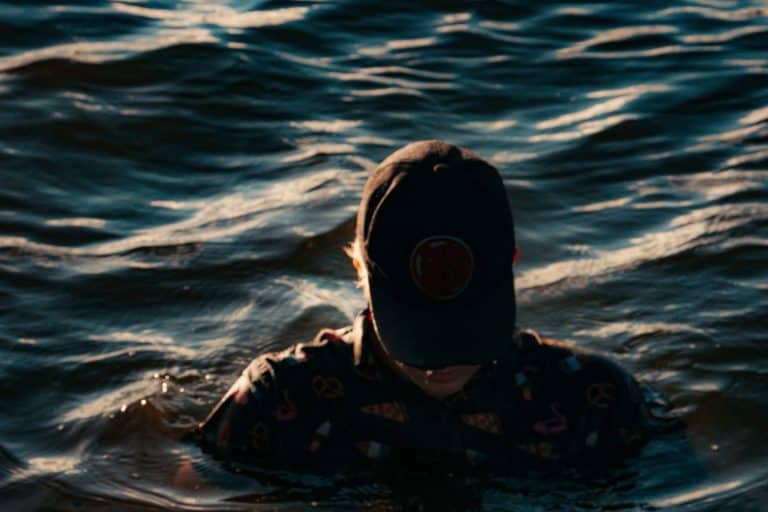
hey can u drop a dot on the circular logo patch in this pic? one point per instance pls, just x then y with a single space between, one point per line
442 266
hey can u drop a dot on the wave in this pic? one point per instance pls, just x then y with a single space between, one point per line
713 226
99 52
221 219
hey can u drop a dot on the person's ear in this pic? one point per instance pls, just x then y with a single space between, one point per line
358 265
516 255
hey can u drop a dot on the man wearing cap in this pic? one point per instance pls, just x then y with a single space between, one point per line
435 368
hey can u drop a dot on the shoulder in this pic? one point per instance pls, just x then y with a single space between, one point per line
331 350
271 404
552 356
608 414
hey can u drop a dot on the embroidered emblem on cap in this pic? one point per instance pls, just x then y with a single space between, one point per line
442 266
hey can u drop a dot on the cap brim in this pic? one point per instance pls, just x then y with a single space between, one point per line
438 334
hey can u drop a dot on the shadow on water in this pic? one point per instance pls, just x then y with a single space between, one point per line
200 485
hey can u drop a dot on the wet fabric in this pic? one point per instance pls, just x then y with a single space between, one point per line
337 399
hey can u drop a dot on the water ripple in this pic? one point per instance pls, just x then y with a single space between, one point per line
709 226
620 35
747 13
222 16
104 51
213 219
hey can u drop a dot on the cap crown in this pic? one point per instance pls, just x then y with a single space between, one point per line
437 235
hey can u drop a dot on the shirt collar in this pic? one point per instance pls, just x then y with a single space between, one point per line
359 330
369 359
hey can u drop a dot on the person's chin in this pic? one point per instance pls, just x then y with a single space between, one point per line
441 389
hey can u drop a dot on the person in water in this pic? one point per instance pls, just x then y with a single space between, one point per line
435 368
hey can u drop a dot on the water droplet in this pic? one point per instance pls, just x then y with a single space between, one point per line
123 408
714 447
61 427
135 476
164 387
143 402
156 376
181 390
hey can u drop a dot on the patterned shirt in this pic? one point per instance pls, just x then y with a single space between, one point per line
338 399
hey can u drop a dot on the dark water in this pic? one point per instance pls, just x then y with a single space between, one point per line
177 180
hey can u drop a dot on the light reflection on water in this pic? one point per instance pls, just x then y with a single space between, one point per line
699 494
99 52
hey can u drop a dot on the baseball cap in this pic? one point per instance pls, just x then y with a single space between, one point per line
437 235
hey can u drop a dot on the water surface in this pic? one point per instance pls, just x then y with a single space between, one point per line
178 179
